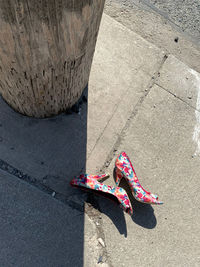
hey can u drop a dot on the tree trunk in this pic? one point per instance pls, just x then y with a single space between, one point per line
46 51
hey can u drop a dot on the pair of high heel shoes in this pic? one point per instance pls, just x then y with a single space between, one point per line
123 170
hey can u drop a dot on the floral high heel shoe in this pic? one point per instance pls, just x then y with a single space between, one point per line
124 169
91 183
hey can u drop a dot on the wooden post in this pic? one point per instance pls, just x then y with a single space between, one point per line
46 51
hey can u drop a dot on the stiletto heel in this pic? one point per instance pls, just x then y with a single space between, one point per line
124 168
90 182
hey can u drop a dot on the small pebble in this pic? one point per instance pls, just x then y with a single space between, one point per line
100 259
107 164
53 194
101 242
154 106
176 40
189 97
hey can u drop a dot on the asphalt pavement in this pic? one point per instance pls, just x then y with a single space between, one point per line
183 13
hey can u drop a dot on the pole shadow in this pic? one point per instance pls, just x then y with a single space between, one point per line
49 152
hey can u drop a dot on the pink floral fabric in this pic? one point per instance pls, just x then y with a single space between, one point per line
91 182
124 168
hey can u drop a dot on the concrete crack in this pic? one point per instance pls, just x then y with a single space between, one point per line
92 207
113 151
179 98
39 185
93 211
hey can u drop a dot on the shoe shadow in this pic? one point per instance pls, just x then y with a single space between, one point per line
143 214
111 210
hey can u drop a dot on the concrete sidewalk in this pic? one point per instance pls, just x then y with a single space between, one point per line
140 100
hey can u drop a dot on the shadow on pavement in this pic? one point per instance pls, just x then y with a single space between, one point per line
114 212
36 229
143 214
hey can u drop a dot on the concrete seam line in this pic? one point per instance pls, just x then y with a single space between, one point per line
40 186
162 14
115 147
94 214
157 13
179 98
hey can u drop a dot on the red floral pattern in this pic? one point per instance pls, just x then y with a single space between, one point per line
91 182
124 169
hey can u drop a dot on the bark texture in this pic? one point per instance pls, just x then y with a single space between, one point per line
46 51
